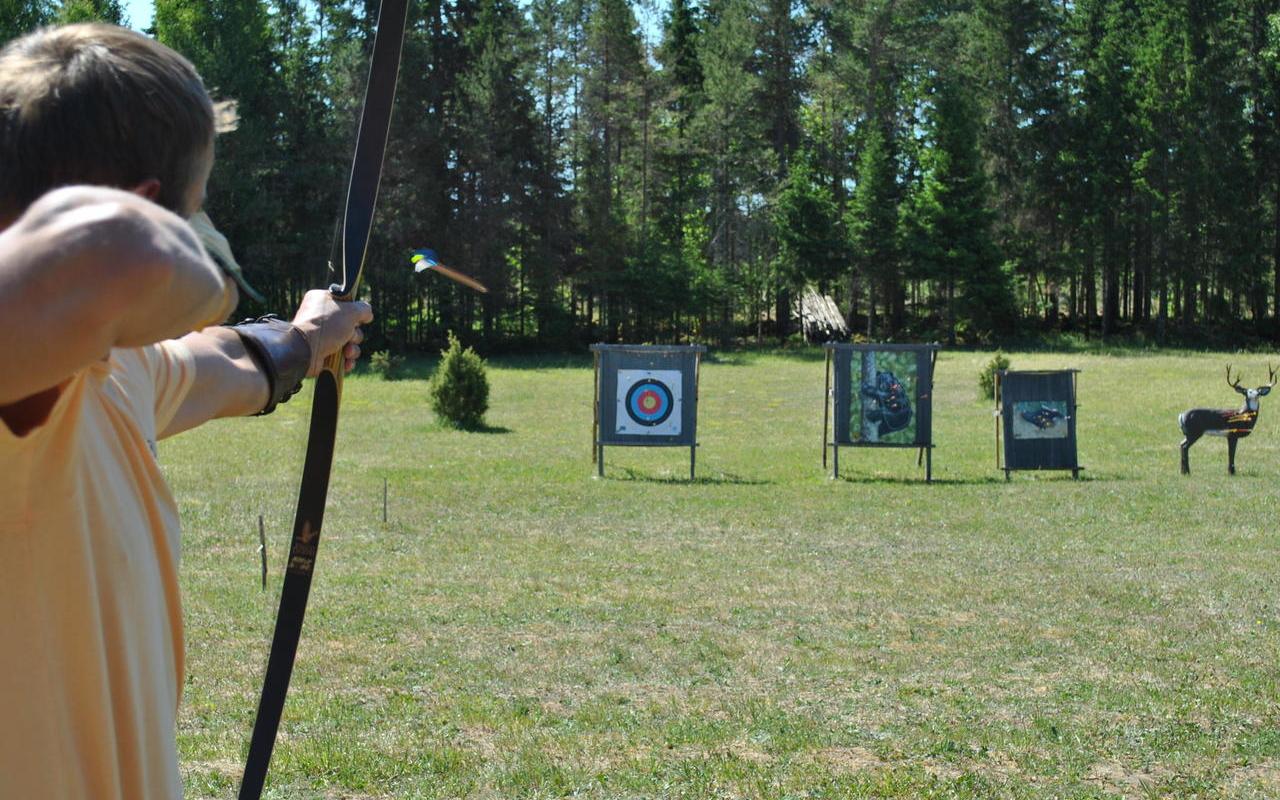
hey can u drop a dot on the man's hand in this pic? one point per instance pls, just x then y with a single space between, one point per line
231 383
331 326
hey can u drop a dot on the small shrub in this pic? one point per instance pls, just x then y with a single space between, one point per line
987 377
460 389
389 366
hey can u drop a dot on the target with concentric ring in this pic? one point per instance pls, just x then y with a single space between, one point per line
649 402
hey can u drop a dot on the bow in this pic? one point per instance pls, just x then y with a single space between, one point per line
362 195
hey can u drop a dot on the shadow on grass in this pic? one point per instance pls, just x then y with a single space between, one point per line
1058 475
912 480
481 428
1242 474
1044 476
444 427
722 479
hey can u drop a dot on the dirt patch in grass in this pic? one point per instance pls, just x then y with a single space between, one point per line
1264 776
479 739
746 752
1119 779
943 770
849 759
223 767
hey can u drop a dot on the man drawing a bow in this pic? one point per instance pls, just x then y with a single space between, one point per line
110 306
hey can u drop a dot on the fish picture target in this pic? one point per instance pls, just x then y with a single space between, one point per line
882 397
645 396
1036 418
649 402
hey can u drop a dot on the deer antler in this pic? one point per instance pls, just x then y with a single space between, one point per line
1271 375
1233 384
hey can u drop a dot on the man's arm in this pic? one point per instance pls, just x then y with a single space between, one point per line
229 382
86 269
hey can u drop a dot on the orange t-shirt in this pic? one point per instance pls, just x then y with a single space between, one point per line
90 619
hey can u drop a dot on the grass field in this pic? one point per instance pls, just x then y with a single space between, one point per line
521 630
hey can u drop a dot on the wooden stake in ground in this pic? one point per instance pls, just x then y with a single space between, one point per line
262 550
826 410
595 410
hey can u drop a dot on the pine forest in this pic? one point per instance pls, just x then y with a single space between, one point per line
964 171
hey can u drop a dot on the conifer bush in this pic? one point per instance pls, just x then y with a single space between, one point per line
386 364
460 388
987 377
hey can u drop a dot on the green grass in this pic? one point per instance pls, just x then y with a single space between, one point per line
521 630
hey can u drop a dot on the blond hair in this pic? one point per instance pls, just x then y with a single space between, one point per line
98 104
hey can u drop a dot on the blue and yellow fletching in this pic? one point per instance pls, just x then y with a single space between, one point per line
426 259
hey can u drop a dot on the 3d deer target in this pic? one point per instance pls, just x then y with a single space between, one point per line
1232 423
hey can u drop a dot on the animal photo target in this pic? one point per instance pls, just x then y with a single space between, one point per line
883 397
880 395
1041 419
649 402
1037 420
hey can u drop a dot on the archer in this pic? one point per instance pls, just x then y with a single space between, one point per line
110 305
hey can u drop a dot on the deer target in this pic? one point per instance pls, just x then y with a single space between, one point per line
1234 424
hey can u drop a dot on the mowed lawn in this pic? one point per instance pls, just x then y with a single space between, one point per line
519 629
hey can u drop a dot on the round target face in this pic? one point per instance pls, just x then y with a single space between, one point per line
649 402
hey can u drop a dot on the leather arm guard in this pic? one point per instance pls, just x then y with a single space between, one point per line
281 351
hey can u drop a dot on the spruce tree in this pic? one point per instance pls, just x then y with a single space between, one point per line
90 11
811 239
22 16
232 46
873 226
953 215
730 130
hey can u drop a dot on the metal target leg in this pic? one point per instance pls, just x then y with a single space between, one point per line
928 465
693 458
599 461
835 462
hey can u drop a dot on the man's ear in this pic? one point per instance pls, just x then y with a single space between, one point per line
148 189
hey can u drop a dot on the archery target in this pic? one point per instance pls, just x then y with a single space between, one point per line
649 402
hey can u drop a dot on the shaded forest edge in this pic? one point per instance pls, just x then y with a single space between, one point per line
1027 173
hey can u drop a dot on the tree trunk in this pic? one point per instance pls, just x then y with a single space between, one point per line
870 430
1110 278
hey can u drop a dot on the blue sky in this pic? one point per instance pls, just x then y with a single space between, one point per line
649 12
140 12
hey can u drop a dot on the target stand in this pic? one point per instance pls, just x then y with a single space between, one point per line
645 396
882 397
1036 413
